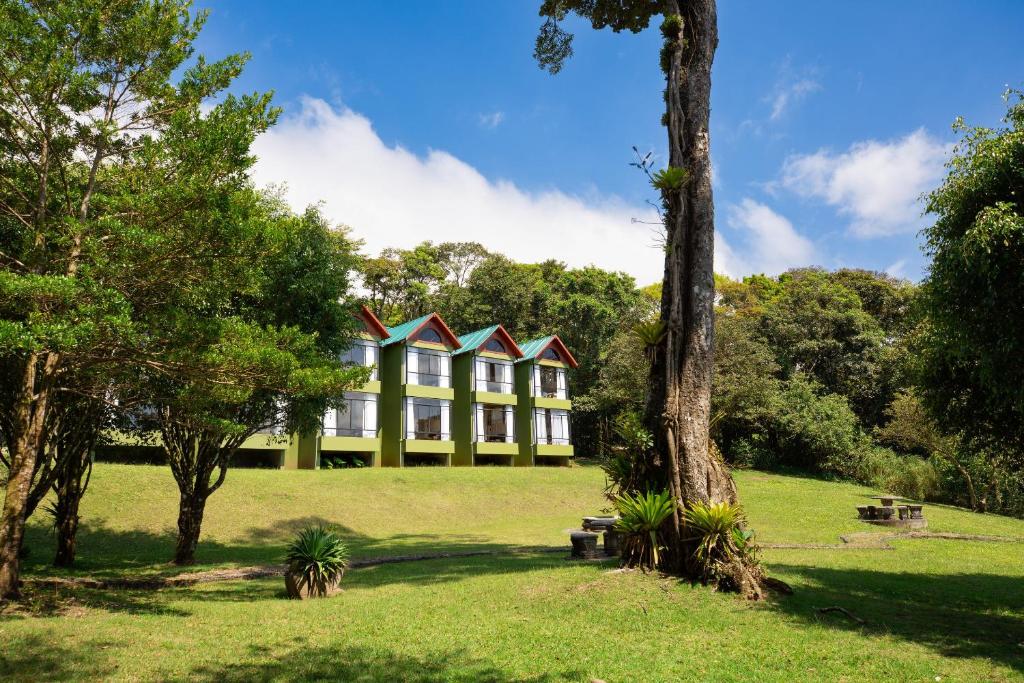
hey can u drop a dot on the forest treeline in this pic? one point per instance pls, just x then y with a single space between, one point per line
814 370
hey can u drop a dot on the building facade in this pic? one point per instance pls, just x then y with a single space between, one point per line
437 398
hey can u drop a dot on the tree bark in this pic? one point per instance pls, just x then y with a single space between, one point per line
190 522
679 406
30 414
72 481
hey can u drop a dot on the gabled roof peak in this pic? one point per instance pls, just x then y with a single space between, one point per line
535 347
474 340
373 322
408 329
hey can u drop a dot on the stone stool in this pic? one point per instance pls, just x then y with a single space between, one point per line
904 511
862 512
584 545
613 543
885 512
916 511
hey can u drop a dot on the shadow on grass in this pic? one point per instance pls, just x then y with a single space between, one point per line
957 615
341 663
40 658
104 552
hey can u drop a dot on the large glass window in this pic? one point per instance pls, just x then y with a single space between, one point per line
495 345
362 353
428 368
549 382
494 423
552 426
495 376
357 418
427 418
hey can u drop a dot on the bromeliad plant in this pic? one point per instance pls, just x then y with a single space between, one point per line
316 560
722 543
641 517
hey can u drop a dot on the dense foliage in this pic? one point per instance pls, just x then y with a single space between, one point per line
972 378
138 265
814 370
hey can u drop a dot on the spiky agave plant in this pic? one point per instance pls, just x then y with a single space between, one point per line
317 558
640 518
721 540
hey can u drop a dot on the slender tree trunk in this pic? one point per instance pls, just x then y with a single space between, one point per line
71 484
190 522
194 454
680 403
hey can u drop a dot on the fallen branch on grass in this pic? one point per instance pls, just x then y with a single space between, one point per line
842 610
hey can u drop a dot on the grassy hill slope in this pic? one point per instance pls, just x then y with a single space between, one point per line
933 608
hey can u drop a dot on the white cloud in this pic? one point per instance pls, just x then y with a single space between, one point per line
790 93
394 198
877 184
492 120
898 269
772 244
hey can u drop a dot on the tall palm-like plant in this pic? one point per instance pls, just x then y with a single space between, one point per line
641 517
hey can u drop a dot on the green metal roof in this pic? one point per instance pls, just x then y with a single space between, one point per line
531 348
471 341
400 332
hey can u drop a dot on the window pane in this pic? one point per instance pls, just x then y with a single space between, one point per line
427 420
548 381
430 335
494 423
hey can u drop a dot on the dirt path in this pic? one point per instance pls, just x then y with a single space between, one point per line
863 540
873 540
255 572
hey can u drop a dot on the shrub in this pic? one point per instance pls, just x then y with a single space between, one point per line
317 558
752 451
626 466
721 541
908 476
640 519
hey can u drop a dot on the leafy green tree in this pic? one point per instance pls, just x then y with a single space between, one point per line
820 328
111 173
499 289
890 301
282 331
746 381
403 282
973 340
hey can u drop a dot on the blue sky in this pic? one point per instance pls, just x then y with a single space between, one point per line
430 120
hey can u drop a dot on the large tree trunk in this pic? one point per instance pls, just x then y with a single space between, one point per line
680 402
29 435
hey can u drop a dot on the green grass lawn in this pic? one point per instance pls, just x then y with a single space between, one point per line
934 608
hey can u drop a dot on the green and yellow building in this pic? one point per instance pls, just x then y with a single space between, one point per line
437 398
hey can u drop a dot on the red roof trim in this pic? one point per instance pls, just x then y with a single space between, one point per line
562 349
444 328
373 322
